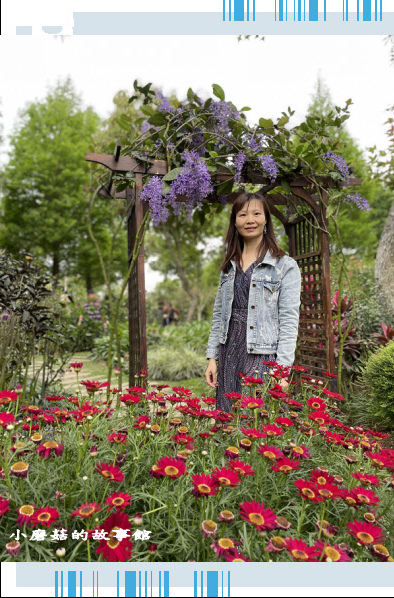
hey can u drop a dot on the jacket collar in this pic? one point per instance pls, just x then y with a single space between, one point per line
268 259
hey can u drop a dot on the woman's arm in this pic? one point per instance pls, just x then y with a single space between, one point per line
289 313
213 341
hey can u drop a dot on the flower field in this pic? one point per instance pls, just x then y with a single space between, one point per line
157 474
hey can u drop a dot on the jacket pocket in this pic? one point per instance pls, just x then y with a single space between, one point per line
271 291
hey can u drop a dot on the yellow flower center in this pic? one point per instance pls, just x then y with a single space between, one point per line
252 405
350 501
155 428
246 442
239 470
224 481
365 537
380 463
256 518
308 492
227 514
332 553
363 498
36 436
278 542
233 449
170 470
183 429
113 542
50 444
118 501
238 561
298 449
26 510
107 474
210 526
19 466
44 517
226 543
325 493
285 468
271 433
269 454
381 549
204 488
321 480
87 511
299 555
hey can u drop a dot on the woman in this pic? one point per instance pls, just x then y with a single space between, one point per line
256 311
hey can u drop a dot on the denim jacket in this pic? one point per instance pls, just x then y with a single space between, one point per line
273 309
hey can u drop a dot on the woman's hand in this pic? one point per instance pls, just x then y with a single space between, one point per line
211 373
283 383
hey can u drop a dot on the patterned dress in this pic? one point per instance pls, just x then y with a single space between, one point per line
233 355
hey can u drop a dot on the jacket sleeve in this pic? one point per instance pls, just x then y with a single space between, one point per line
289 313
213 341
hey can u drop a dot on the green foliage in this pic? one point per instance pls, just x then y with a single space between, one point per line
166 362
100 347
44 201
376 396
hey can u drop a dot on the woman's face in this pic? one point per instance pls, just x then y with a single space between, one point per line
250 220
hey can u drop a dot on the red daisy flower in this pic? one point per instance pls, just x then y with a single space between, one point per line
119 500
251 403
156 472
299 550
320 417
139 389
109 471
246 444
253 433
141 422
183 392
25 513
270 452
76 366
182 438
284 421
112 549
7 396
236 557
308 490
86 510
19 469
380 460
130 399
4 507
234 396
226 477
329 491
117 438
204 485
316 404
6 419
349 497
365 533
224 546
240 467
256 513
231 451
285 465
364 496
330 553
272 430
92 386
319 476
300 451
50 447
44 516
171 467
366 479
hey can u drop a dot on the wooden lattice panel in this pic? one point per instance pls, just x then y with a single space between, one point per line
312 345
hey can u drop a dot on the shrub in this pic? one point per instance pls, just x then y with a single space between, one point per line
166 364
377 388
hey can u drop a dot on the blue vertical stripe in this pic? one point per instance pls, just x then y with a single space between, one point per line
195 584
151 584
97 584
313 10
93 584
212 584
325 11
229 11
202 584
117 584
239 10
130 584
139 583
222 584
80 583
358 10
366 10
286 10
299 10
228 585
247 9
72 583
166 583
159 584
56 584
146 584
224 10
280 10
61 583
381 9
254 10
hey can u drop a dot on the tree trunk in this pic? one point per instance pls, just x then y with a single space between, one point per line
55 264
384 267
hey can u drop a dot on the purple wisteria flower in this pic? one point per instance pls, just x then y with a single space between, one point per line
164 105
239 162
269 165
145 127
359 200
255 142
194 182
223 111
196 140
340 163
153 193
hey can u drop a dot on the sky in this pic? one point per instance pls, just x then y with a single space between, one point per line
268 76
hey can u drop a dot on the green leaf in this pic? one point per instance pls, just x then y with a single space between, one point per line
123 125
285 186
170 176
266 123
148 110
282 121
158 119
190 94
225 188
245 108
213 154
218 91
207 103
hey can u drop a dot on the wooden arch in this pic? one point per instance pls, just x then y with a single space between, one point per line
308 245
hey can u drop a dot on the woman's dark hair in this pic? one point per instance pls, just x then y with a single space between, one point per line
234 241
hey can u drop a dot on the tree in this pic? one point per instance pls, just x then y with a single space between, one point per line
44 202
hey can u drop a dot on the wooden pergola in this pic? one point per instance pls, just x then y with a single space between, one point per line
308 245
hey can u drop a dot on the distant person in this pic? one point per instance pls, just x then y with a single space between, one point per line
173 314
160 310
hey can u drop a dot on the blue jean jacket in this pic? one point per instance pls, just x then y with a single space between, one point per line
273 309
